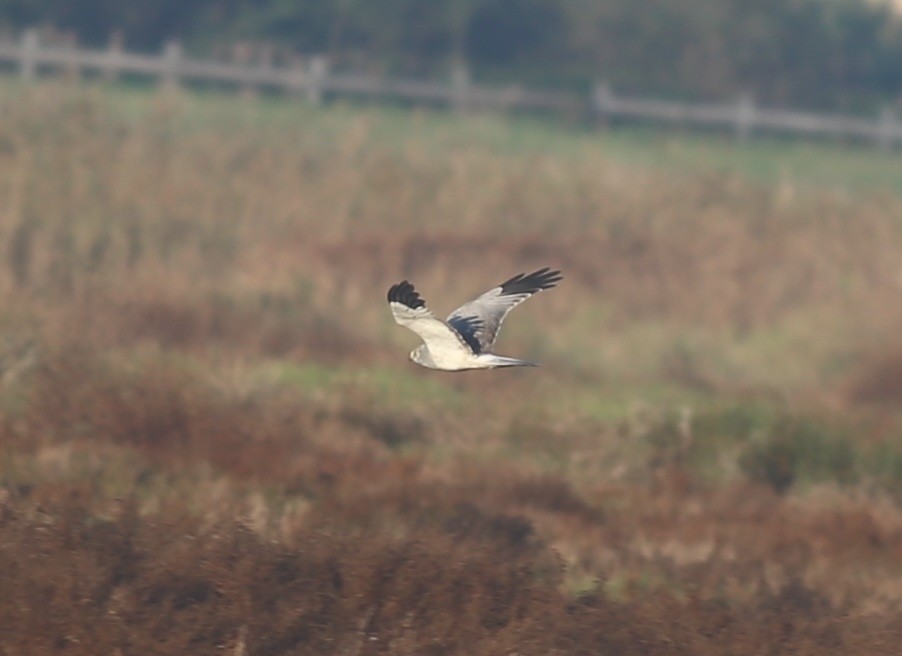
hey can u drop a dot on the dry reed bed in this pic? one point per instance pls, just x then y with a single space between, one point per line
201 228
153 270
127 583
308 477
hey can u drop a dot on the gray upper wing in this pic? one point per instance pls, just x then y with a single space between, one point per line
479 321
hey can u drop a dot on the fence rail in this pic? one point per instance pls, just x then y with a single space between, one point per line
313 79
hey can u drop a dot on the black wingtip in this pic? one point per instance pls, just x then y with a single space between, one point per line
544 278
405 294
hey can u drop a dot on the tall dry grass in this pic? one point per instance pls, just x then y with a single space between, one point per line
146 509
210 438
185 230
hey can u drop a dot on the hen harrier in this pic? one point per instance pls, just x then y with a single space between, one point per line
464 340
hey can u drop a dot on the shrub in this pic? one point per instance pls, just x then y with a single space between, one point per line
799 449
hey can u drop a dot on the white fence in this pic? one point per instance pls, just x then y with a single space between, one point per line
312 79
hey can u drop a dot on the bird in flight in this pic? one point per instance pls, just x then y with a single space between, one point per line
464 340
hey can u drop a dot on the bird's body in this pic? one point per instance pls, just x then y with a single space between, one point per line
465 339
462 359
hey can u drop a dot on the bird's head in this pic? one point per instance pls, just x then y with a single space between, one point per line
421 356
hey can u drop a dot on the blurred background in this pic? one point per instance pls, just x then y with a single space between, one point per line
814 53
211 439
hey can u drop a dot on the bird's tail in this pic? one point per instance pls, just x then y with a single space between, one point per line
503 361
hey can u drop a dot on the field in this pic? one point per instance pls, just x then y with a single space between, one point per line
211 440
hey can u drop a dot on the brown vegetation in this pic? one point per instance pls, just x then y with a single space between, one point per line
211 440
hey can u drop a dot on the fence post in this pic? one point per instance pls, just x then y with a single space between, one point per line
263 63
317 70
460 86
744 120
600 103
172 55
295 77
71 69
28 57
241 56
112 61
887 127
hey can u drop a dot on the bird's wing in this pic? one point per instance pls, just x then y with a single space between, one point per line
479 321
410 311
